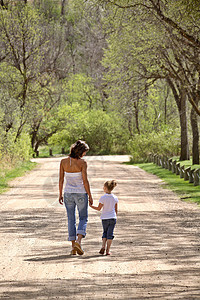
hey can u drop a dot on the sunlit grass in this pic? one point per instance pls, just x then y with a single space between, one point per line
186 191
8 175
44 151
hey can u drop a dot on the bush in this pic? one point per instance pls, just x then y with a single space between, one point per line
103 132
166 142
13 152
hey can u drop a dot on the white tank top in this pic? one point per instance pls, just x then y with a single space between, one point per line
74 183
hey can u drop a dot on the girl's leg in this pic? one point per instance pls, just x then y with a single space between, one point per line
104 236
110 236
104 243
109 242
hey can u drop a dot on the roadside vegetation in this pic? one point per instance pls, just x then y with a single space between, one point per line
122 75
19 170
185 190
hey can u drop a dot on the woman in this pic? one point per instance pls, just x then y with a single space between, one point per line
76 193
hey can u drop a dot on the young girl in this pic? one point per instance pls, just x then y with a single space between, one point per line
109 215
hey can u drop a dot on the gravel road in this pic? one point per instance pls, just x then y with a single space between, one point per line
155 253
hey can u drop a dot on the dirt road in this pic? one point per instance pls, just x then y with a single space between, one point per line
155 253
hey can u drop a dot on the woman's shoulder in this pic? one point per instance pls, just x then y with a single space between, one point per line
82 162
64 160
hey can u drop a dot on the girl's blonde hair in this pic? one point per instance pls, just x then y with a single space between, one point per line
110 184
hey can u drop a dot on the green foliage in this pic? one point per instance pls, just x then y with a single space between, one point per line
13 151
80 88
163 143
102 131
7 174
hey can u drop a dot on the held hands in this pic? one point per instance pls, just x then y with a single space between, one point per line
61 200
90 200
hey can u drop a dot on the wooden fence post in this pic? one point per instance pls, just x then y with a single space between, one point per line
166 163
196 177
182 171
178 169
186 175
63 150
174 166
170 164
50 152
191 176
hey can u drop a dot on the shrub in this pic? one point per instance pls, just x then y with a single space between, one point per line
103 132
166 142
13 152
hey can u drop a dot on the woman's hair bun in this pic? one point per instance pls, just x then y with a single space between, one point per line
78 148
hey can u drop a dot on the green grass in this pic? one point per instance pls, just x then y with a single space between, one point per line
186 191
44 151
8 175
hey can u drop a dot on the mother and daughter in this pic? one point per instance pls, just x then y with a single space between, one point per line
73 170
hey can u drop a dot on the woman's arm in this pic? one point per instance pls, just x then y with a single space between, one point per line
97 207
61 180
86 182
116 208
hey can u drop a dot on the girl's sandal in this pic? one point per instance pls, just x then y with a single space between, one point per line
108 253
102 251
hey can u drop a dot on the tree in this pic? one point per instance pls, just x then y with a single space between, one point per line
161 51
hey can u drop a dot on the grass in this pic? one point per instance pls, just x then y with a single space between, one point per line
8 175
185 190
44 151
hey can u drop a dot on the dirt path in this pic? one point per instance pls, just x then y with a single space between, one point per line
156 251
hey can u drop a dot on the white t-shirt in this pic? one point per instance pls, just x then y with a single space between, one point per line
108 201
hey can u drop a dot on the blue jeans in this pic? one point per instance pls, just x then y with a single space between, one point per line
72 200
108 228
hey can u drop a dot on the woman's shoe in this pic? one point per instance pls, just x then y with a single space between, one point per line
73 252
78 248
102 251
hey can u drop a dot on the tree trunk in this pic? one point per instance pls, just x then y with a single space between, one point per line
180 98
2 4
195 135
185 155
63 7
137 115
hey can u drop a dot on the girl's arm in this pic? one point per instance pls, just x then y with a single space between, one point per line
116 208
86 182
97 207
61 180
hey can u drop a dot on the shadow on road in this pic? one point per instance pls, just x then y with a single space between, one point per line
140 237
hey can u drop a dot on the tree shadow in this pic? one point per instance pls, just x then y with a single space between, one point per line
167 239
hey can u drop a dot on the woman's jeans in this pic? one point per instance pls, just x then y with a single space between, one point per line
80 200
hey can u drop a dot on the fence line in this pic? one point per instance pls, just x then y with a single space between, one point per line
188 174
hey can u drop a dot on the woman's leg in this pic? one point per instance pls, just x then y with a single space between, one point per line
82 205
71 208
